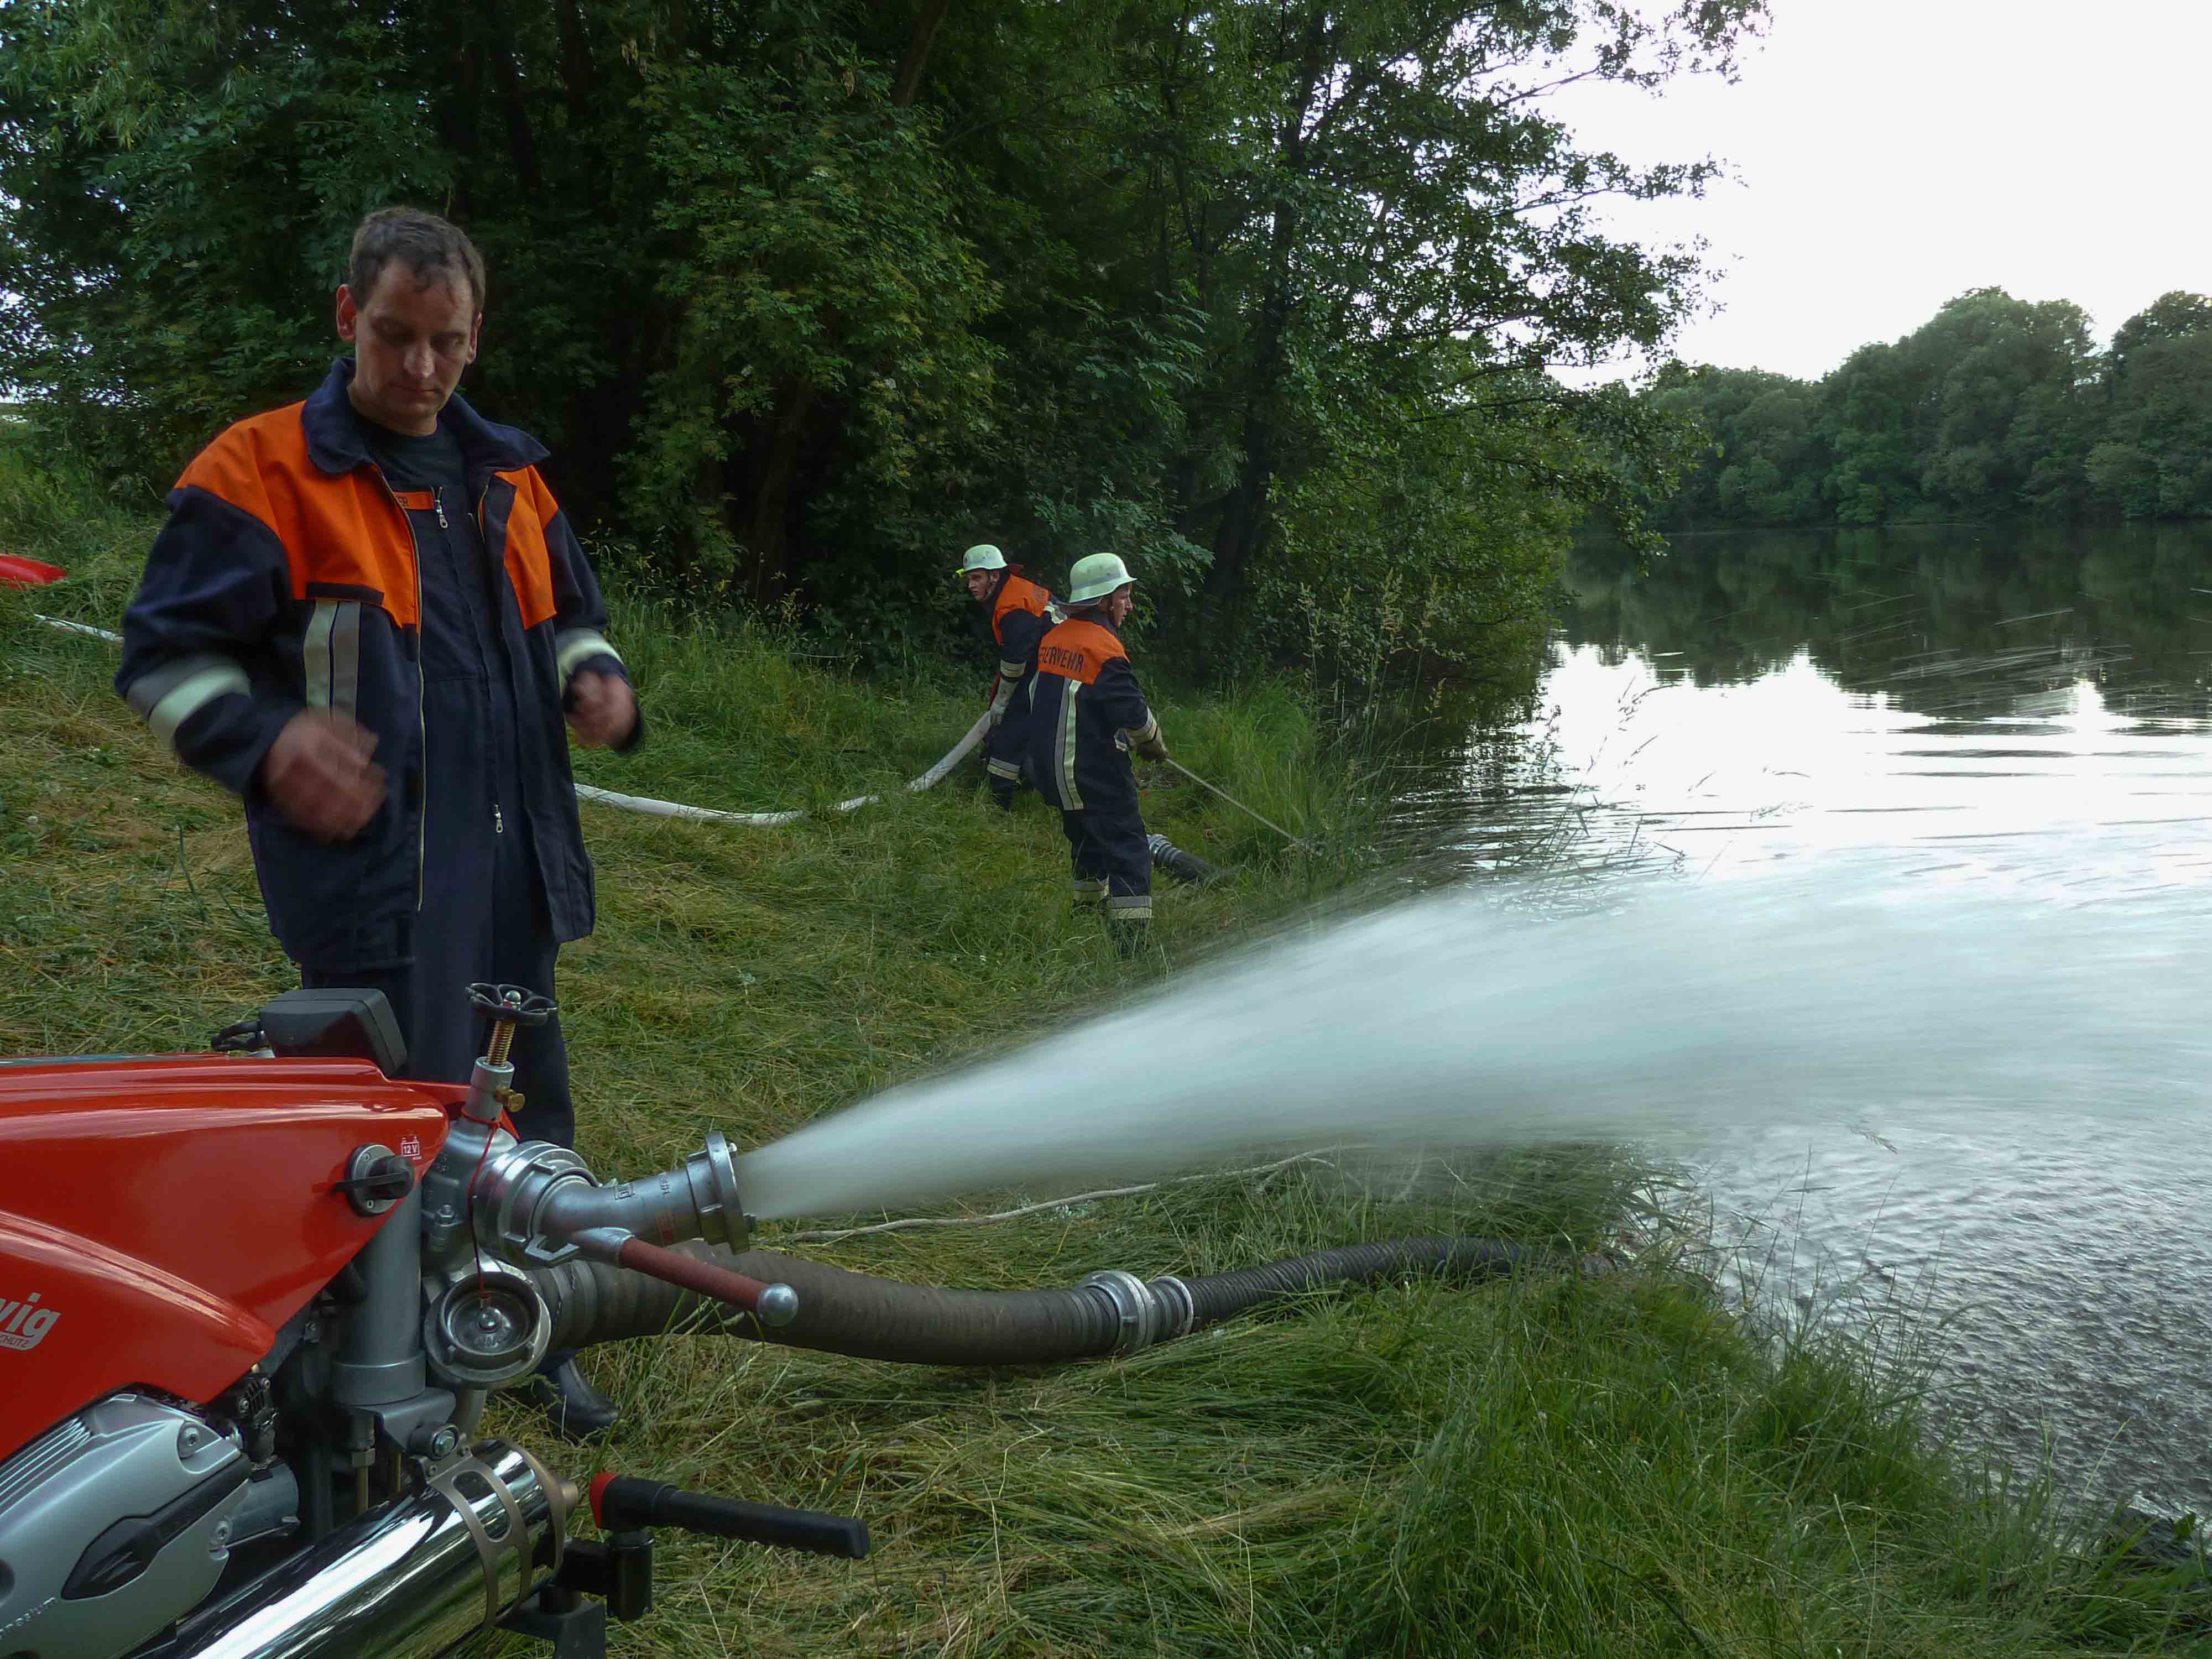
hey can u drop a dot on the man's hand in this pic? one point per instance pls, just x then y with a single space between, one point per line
319 776
602 710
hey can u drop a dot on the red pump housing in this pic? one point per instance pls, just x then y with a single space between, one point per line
160 1217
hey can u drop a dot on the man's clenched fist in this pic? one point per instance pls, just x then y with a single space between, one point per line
602 710
319 776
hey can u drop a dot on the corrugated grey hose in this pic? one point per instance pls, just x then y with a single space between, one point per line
871 1318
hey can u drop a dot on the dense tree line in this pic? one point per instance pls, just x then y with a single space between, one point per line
807 294
1996 406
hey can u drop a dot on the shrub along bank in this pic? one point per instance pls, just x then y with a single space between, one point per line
1550 1467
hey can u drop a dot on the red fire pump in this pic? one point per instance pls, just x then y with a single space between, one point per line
251 1304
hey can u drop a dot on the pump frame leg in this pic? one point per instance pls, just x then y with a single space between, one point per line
575 1624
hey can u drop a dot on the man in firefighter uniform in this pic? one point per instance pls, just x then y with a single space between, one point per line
368 618
1087 714
1018 611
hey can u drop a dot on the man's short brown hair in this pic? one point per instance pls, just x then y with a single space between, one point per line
434 249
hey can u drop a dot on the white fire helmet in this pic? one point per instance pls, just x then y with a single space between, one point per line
1096 577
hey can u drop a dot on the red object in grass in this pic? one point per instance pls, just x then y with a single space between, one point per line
17 572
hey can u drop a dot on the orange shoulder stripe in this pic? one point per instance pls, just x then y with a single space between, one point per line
343 532
529 558
1079 651
1019 594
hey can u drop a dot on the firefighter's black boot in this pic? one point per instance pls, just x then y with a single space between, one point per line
576 1410
1128 936
1128 921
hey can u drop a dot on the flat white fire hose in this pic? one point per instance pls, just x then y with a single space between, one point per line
669 808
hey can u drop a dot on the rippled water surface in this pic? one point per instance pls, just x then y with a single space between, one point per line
2023 715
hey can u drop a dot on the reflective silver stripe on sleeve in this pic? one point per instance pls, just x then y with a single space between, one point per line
1130 906
315 653
330 655
345 659
1064 744
1144 733
168 696
571 645
1012 671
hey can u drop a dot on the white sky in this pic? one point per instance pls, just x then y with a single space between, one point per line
1892 153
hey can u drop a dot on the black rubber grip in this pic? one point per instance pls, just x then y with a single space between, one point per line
626 1503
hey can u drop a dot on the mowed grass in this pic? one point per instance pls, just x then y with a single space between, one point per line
1551 1466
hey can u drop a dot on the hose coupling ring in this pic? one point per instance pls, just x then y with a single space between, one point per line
1140 1313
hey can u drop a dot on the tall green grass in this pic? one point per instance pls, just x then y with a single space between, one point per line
1616 1467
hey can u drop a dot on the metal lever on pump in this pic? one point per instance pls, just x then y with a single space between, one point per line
772 1305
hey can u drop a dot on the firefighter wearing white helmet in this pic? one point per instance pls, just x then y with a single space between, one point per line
1088 714
1017 611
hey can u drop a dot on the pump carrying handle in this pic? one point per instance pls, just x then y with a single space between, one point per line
622 1503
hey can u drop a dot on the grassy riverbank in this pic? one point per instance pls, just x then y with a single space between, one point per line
1552 1467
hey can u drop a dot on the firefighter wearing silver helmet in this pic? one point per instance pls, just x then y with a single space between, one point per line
1017 613
1088 713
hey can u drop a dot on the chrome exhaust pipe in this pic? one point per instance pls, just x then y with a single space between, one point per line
407 1580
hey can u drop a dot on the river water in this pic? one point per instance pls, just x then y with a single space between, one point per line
2024 714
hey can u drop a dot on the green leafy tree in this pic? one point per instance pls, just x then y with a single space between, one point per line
2004 417
818 346
1765 454
1389 185
2154 459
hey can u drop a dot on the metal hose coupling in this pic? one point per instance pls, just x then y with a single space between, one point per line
1158 1312
533 1202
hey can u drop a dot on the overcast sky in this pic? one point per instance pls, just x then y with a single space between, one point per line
1892 153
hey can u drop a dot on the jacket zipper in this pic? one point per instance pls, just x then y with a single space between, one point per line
422 725
491 592
438 502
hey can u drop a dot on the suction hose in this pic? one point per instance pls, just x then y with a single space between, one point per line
1109 1313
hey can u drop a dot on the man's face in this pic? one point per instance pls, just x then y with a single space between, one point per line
979 584
410 345
1117 604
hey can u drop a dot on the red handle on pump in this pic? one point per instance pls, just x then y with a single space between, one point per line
772 1305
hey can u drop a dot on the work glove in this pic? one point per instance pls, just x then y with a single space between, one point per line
1153 747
